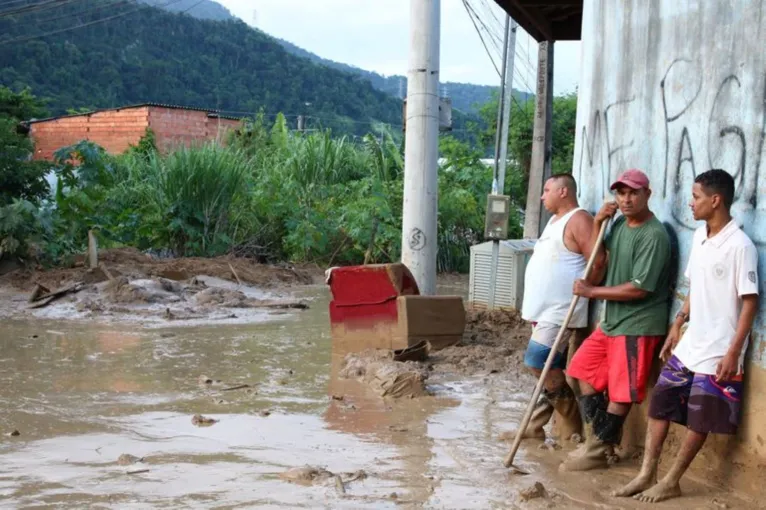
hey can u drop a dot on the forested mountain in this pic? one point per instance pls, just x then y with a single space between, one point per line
466 97
149 54
202 9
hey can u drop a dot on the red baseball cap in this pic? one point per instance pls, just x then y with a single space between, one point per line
632 178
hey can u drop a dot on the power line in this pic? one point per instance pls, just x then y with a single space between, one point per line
113 4
83 25
468 10
38 7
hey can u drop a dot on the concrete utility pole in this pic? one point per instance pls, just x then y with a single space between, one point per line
540 168
421 145
501 138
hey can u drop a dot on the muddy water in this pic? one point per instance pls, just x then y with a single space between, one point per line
81 395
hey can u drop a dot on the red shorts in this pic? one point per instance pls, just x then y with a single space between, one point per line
619 365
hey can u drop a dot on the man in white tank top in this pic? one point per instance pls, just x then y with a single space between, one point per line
559 258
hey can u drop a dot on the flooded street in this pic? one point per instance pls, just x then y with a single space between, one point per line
81 395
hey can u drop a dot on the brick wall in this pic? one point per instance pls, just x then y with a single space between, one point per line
114 130
174 127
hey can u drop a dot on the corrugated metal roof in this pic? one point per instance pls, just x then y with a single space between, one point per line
210 112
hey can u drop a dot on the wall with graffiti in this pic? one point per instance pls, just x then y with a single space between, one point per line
675 88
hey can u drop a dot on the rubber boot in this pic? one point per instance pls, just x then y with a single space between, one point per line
541 415
568 421
603 432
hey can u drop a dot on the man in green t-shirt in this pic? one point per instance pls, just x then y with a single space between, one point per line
617 357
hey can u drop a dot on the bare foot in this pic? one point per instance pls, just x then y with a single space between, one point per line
660 492
639 484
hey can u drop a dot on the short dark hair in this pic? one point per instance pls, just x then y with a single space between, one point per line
720 182
568 182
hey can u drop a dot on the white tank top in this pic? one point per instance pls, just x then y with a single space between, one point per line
549 277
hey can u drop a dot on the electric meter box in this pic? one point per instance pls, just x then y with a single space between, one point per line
498 213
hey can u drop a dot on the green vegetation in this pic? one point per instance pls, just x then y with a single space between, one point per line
20 177
270 193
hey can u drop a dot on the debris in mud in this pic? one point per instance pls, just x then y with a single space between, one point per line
306 475
40 300
337 397
205 380
237 387
122 290
387 377
127 459
719 504
264 413
534 492
136 282
203 421
13 433
137 472
550 445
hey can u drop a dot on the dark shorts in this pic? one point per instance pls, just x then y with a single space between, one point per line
696 400
619 365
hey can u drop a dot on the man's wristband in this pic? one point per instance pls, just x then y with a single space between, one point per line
683 316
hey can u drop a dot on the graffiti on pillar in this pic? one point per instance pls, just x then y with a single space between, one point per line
417 239
706 122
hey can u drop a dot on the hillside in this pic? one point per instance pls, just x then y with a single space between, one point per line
202 9
154 55
466 97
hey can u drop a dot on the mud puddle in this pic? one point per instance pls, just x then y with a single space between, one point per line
81 397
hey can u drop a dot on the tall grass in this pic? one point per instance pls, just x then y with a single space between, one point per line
271 195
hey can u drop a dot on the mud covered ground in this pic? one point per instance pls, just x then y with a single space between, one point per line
255 414
131 286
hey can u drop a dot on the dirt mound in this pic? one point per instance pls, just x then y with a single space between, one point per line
131 262
385 376
222 297
124 291
494 341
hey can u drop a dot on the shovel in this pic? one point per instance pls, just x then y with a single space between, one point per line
508 462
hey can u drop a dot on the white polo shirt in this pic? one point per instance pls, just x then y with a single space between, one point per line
721 270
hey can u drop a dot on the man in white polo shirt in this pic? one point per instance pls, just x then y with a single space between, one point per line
701 384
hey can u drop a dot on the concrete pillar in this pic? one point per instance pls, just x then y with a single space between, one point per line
540 168
421 146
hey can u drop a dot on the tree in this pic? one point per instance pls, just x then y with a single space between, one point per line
20 177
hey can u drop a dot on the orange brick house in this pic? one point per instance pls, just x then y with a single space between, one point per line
117 128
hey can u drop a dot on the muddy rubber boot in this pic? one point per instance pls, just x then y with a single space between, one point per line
540 416
568 421
603 433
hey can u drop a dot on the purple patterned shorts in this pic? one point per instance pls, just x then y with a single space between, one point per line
696 400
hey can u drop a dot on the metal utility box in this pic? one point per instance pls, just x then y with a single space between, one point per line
509 282
496 220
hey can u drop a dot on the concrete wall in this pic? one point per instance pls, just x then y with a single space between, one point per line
676 87
114 130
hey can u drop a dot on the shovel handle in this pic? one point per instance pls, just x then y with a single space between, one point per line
554 349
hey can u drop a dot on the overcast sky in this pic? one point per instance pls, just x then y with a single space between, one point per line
373 35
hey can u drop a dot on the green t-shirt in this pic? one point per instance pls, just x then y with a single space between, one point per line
639 255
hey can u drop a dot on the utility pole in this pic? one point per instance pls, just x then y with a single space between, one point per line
501 138
421 148
540 168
